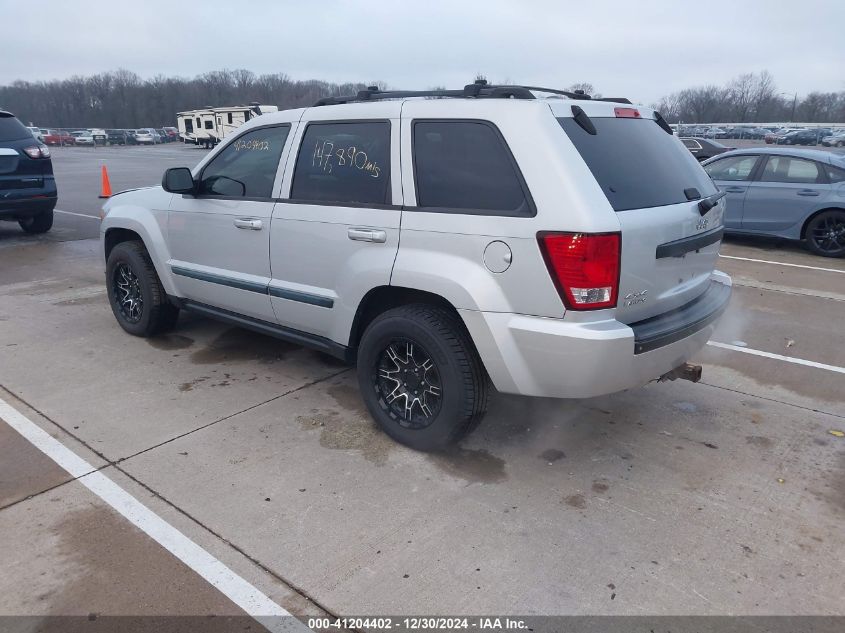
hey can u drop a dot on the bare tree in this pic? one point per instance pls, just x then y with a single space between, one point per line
121 98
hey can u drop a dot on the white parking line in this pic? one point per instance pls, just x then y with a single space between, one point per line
788 359
79 215
766 261
242 593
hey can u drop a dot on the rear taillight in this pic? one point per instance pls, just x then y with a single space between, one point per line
584 267
626 113
37 151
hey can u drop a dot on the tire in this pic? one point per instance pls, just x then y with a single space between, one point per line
40 223
826 233
839 143
130 265
450 378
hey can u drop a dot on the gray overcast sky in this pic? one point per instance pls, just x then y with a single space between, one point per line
642 50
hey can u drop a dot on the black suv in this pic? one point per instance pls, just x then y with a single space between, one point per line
116 137
27 187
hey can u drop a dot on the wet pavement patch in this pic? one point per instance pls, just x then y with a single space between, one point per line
551 455
99 298
24 470
238 345
109 566
349 427
170 341
473 466
576 501
759 440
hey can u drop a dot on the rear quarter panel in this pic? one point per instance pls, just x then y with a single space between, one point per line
443 253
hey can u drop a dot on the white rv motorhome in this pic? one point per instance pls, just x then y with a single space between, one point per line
209 126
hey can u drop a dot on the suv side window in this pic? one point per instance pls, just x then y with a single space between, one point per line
465 166
344 162
788 169
732 168
247 166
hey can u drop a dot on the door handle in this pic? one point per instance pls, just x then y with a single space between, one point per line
735 189
367 235
249 223
807 192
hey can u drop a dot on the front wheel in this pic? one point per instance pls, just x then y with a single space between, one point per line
136 296
826 234
40 223
420 376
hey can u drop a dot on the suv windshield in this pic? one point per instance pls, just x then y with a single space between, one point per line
12 130
637 164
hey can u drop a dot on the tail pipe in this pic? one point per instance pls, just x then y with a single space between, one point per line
687 371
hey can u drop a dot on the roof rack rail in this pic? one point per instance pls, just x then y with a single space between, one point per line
479 89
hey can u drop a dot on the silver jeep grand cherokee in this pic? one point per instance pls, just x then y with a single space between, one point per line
549 243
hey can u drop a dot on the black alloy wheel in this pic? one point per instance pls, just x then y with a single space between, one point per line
826 234
127 293
408 384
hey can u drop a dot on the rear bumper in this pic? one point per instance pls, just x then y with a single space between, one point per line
556 358
24 203
25 208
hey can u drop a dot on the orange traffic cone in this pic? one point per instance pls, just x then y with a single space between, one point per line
105 190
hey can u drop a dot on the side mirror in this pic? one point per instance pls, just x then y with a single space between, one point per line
178 180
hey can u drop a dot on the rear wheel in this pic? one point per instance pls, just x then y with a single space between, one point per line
826 233
420 376
40 223
136 296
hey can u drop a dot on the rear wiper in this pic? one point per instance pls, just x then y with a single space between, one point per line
709 202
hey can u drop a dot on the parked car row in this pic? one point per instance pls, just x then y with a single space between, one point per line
771 135
799 136
99 136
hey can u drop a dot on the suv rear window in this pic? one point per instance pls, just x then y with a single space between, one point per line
465 167
12 130
636 163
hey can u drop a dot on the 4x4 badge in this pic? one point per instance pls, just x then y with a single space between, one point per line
633 298
702 224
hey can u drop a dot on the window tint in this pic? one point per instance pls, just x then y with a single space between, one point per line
835 174
788 169
12 130
209 125
229 117
344 162
636 163
466 165
731 168
247 166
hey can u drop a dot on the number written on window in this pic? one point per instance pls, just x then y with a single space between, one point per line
246 167
327 157
344 162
